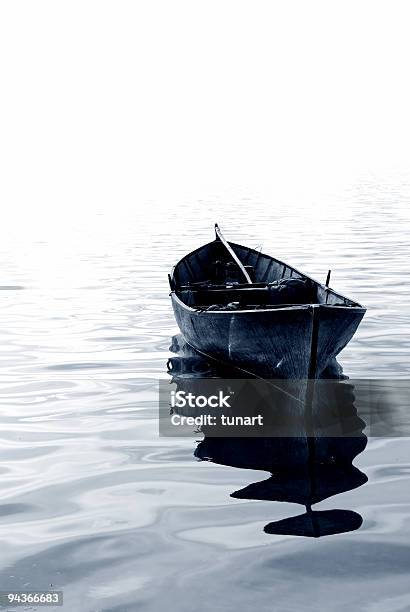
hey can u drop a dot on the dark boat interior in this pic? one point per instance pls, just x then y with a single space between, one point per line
209 279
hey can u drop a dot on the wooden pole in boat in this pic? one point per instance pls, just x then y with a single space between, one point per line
327 284
232 253
309 406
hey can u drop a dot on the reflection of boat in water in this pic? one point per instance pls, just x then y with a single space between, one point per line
305 467
240 306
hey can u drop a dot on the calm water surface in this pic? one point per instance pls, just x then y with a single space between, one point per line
93 502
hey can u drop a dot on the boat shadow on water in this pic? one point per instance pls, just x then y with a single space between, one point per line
308 459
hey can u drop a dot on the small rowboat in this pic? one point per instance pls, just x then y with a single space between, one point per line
249 310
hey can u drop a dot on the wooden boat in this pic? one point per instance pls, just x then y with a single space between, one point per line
249 310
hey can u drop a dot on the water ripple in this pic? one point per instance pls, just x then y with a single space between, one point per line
94 502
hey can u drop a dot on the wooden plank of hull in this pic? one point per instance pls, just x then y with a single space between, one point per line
273 343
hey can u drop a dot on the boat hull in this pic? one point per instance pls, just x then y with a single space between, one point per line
291 342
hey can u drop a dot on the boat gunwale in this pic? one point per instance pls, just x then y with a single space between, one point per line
357 306
199 311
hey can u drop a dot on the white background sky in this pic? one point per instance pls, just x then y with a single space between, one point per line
114 104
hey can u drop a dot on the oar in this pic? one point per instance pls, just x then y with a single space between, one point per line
232 253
